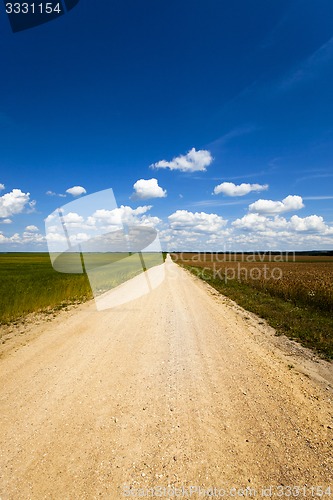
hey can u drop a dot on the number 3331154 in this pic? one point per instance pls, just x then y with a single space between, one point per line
33 8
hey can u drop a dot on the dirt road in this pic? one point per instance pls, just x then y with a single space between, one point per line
179 387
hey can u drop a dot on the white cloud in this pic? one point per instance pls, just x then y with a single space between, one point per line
312 223
208 232
116 214
54 237
50 217
31 237
148 188
114 219
288 204
11 239
52 193
73 218
197 222
96 226
76 190
151 221
259 223
231 189
32 229
2 187
79 238
13 203
6 221
193 161
26 238
189 239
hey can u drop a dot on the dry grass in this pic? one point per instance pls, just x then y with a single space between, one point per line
295 294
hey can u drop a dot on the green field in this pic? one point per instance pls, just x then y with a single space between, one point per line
28 282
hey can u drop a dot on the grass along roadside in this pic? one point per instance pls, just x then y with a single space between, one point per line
28 282
308 324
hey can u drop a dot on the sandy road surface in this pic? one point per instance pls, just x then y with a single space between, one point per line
179 387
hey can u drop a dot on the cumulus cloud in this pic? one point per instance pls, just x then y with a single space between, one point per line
2 187
279 227
14 203
6 221
52 193
231 189
12 239
114 219
32 229
193 161
196 221
96 226
76 190
258 223
73 218
312 223
72 221
290 203
77 238
26 238
148 188
252 232
31 237
118 216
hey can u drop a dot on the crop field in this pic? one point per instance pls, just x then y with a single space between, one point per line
294 293
28 282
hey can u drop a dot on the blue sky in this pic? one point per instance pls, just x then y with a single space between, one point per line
219 113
